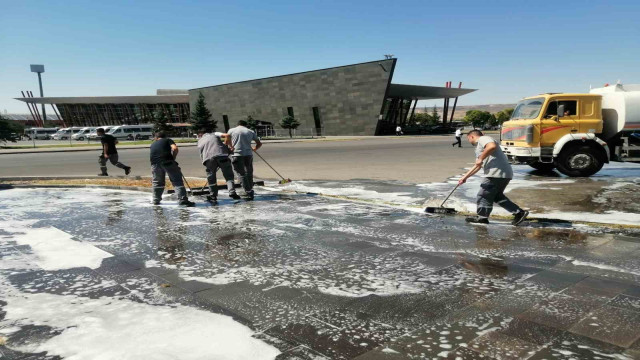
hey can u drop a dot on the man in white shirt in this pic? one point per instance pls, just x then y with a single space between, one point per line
458 138
398 130
240 139
497 174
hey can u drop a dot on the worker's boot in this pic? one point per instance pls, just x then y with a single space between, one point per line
519 217
127 170
187 203
477 220
234 195
157 195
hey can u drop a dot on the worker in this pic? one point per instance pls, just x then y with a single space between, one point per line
498 173
109 152
240 139
214 154
458 138
398 130
163 153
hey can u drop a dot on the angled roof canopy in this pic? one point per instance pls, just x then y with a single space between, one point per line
425 92
149 99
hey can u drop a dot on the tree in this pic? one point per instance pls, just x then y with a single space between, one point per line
478 118
201 118
252 123
7 128
160 122
289 122
435 117
503 115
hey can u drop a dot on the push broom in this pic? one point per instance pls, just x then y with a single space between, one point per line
283 181
441 209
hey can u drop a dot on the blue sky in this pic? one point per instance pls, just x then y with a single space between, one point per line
506 49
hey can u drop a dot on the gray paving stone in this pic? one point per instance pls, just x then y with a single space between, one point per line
611 325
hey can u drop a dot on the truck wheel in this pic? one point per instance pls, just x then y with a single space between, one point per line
579 161
543 167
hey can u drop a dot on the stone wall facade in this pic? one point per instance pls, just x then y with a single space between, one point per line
349 98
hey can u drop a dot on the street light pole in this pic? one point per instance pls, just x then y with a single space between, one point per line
40 69
44 113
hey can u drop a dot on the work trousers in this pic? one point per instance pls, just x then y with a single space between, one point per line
458 141
212 165
492 191
113 158
167 168
243 165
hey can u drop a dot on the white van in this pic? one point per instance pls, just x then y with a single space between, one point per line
93 135
65 133
82 134
132 132
40 133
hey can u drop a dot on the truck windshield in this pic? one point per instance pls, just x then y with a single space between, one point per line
527 109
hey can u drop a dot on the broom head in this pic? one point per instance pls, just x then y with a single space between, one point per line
439 210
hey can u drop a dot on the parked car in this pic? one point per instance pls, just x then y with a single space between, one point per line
82 134
65 133
132 132
40 133
441 129
93 135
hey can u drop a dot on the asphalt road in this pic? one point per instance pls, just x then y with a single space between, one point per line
409 159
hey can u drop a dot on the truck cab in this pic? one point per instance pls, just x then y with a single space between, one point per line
557 131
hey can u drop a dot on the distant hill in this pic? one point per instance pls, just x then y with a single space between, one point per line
462 110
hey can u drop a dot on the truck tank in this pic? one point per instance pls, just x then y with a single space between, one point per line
620 109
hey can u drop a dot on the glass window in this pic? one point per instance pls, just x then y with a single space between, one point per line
570 108
528 109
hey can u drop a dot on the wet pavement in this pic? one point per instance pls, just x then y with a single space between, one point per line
305 277
609 197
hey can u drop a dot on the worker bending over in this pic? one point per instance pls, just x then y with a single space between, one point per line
497 175
214 154
163 153
239 139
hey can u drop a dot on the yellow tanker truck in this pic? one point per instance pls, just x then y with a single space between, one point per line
575 133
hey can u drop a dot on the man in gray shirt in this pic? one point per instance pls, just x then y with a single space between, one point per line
214 154
497 175
240 139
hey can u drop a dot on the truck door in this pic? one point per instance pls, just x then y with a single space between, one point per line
554 127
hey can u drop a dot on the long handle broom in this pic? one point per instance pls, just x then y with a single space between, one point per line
283 181
441 209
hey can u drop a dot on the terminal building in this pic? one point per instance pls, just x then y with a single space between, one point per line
357 99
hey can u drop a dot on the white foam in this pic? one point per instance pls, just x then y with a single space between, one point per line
54 249
109 328
354 191
604 267
608 217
